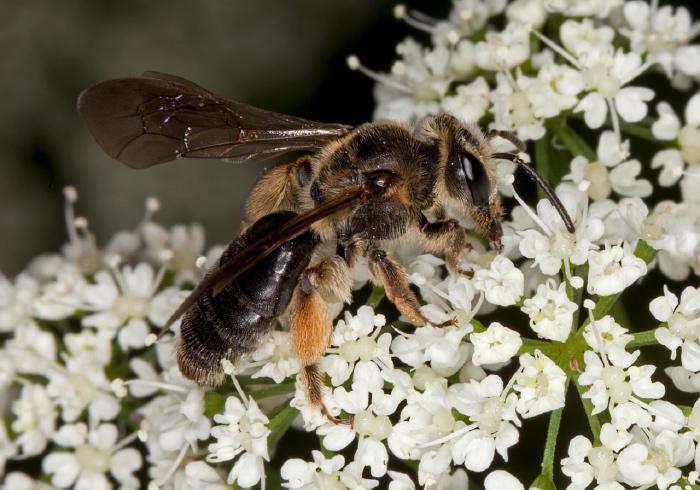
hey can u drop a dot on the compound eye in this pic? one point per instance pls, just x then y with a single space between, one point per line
477 179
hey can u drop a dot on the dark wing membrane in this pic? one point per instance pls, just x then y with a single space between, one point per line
258 250
150 120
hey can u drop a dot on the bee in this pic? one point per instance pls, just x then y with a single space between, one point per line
357 192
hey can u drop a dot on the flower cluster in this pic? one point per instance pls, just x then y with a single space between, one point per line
91 401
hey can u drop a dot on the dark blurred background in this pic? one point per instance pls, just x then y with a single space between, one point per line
283 56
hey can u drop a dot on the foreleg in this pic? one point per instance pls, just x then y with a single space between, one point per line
449 237
392 276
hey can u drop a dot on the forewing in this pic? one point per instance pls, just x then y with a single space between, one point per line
255 252
154 119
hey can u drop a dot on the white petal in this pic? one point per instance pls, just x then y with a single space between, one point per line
692 111
631 103
663 306
499 479
668 124
671 163
594 110
689 57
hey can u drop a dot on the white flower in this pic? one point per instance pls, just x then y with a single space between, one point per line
613 269
654 30
469 16
502 283
31 350
17 300
242 432
673 160
172 424
276 356
504 50
425 418
531 12
184 244
444 348
359 348
470 101
683 379
583 8
96 453
452 298
683 325
688 186
608 382
623 221
687 138
541 385
499 479
654 457
493 427
601 464
496 344
565 83
35 421
432 465
62 296
121 301
400 481
605 71
371 424
81 385
554 244
611 172
606 331
416 85
550 311
322 473
423 269
604 86
22 481
352 477
671 163
198 474
522 105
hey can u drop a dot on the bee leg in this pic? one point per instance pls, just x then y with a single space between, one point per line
311 327
392 276
450 237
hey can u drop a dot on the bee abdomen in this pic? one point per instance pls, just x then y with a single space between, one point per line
235 322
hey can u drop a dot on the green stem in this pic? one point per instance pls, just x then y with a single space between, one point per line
643 339
645 251
542 162
280 389
375 297
279 425
572 140
530 345
551 443
640 129
634 129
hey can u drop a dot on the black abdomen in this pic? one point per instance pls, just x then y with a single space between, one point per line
235 322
